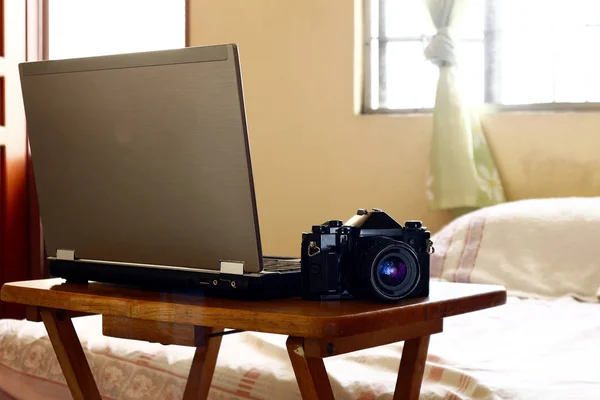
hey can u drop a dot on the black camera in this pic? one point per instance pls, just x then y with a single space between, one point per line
370 256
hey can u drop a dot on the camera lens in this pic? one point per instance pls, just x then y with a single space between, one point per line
391 271
392 268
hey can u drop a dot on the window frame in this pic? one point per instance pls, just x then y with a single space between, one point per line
489 106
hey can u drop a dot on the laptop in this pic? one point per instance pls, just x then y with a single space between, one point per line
143 172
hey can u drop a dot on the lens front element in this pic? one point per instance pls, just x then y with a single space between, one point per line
392 271
392 267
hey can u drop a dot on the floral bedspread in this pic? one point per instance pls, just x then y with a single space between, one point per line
527 349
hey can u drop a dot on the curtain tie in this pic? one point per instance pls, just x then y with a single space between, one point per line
441 49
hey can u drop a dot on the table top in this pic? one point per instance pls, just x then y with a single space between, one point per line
292 316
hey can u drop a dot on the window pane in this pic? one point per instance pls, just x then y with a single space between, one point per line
374 15
411 80
544 50
471 23
526 68
374 70
576 35
471 70
576 13
537 51
96 27
570 66
522 15
407 18
592 63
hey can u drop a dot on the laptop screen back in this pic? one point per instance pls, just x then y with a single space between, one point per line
143 158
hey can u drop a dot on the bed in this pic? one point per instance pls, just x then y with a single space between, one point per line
543 344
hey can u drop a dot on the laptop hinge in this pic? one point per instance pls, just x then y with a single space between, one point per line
232 267
63 254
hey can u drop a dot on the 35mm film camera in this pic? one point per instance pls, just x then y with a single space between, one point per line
370 256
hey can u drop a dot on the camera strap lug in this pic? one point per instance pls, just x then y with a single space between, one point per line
313 249
430 249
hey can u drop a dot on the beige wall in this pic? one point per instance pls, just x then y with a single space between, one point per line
315 159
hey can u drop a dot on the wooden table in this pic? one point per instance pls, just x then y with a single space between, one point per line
316 329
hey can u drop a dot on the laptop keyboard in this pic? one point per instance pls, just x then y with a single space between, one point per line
274 265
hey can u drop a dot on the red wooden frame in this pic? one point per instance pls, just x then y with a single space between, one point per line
2 208
2 102
14 203
2 27
21 255
187 23
2 93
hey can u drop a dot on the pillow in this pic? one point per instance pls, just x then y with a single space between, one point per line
539 247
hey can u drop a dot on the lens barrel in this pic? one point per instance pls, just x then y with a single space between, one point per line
392 267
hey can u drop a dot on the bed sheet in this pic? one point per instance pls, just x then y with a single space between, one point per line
526 349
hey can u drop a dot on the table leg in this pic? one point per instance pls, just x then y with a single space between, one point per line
412 366
203 366
310 372
70 354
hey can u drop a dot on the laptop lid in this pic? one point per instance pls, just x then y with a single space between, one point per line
144 158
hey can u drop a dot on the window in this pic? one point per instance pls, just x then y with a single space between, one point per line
511 52
79 28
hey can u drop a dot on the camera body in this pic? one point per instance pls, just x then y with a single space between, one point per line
369 256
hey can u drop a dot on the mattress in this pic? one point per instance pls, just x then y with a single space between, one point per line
543 344
530 348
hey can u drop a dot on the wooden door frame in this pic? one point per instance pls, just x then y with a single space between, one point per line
15 256
188 37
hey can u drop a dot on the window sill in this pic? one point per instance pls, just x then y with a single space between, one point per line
499 108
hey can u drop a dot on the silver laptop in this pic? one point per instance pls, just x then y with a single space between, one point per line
142 164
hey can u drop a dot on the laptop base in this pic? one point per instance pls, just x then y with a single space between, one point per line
259 286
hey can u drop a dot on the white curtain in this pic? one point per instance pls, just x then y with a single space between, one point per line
462 172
